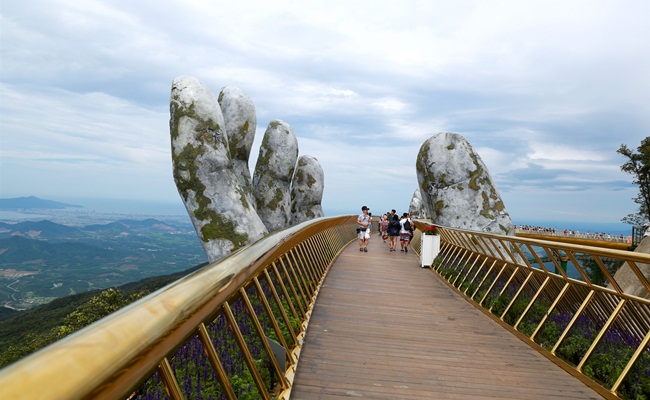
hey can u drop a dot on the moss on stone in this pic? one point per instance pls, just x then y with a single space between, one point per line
207 130
264 160
498 206
311 180
184 162
242 197
438 206
298 177
486 211
421 161
451 146
220 228
475 178
276 200
234 148
442 183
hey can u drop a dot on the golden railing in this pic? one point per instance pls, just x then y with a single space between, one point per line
233 329
559 298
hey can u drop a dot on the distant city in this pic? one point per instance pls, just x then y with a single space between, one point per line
79 212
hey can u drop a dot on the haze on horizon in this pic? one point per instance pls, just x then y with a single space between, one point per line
546 92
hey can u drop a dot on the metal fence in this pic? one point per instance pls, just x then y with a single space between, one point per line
561 299
233 329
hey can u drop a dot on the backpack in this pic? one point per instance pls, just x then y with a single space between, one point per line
407 225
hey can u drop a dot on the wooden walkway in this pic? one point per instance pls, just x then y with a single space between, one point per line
384 328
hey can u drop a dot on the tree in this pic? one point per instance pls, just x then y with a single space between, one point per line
638 164
96 308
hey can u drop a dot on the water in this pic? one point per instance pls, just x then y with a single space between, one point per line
614 228
113 209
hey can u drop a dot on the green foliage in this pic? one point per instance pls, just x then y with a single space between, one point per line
608 359
97 308
64 260
33 329
535 314
499 303
638 165
574 346
192 369
516 309
30 343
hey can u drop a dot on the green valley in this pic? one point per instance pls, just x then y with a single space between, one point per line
42 260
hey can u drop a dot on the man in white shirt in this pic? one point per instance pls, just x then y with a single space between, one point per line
405 234
364 222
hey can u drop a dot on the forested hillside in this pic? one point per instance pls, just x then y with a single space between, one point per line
42 260
24 332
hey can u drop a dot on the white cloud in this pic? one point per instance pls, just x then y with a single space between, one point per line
546 92
559 152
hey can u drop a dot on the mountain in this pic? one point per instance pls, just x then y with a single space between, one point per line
32 202
40 230
20 252
43 260
148 224
19 328
48 230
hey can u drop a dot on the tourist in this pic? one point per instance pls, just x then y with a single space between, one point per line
364 229
383 227
393 232
405 232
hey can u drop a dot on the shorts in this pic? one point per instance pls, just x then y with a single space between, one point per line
364 234
404 237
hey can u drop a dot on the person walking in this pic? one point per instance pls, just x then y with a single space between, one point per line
405 232
394 228
383 227
364 229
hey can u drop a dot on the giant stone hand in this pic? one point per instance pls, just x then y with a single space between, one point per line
211 143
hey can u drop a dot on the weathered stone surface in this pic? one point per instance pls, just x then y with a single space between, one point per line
456 187
307 190
627 279
240 123
273 174
416 208
203 171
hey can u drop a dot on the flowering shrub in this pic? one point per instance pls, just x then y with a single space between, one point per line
430 230
193 370
608 359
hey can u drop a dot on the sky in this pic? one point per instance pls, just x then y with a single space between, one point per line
544 91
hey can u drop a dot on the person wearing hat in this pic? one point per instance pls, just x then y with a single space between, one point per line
364 229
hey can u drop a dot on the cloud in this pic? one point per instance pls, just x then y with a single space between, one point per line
545 92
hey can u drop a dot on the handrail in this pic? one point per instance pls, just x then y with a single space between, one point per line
116 356
560 298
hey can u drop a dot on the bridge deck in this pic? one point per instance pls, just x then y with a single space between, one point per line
384 328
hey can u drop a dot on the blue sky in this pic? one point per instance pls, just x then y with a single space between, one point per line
545 92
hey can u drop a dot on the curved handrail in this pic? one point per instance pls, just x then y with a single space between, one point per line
111 357
507 278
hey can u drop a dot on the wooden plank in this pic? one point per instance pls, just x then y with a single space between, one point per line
384 328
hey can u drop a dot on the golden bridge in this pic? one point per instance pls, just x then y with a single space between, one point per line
302 314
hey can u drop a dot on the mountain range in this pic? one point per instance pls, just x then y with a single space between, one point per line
43 260
32 202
